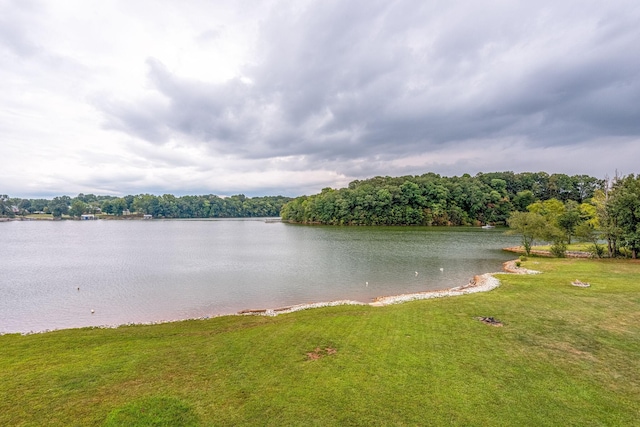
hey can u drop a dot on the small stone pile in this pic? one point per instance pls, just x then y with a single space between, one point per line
580 284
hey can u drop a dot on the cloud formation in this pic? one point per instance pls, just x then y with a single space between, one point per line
290 97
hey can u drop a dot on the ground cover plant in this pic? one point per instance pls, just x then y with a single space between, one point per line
562 356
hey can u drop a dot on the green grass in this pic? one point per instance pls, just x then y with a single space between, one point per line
565 356
39 216
582 247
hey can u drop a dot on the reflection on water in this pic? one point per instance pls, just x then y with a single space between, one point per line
55 273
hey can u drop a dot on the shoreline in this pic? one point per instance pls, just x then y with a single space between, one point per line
479 283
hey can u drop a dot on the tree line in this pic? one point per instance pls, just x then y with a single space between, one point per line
165 206
553 208
431 199
612 215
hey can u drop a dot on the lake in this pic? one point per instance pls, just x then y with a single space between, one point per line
54 273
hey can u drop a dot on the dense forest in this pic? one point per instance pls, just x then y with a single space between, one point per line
611 215
431 199
166 206
551 208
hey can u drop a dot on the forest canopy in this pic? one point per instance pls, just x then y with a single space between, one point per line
431 199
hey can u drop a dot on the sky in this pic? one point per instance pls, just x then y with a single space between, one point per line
288 97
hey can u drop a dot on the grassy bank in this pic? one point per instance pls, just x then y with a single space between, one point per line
579 247
565 356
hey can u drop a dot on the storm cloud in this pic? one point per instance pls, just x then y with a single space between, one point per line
292 96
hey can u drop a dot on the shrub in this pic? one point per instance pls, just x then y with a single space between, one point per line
596 250
559 249
518 263
523 258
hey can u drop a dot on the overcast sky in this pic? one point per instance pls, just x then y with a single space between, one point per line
289 97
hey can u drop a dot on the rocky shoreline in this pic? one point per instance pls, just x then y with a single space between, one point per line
480 283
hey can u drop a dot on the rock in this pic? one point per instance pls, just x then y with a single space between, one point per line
580 284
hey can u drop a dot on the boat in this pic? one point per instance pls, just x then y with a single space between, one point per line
487 226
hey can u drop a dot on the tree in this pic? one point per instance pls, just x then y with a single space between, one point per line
569 220
586 232
78 207
550 209
5 206
523 199
607 222
624 206
59 206
529 225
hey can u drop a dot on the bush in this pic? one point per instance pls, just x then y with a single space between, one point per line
523 258
559 249
517 263
596 250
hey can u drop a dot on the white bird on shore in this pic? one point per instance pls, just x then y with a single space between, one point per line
366 283
416 274
441 269
92 311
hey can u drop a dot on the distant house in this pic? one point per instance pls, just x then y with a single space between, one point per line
147 216
87 216
126 212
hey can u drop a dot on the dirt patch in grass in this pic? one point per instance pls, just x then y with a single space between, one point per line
319 353
490 321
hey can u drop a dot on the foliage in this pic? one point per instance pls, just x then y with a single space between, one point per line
165 206
564 221
530 225
624 209
59 206
431 199
78 207
5 207
568 220
613 213
596 250
565 356
586 232
559 249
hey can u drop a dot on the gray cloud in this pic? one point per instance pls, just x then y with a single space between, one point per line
337 80
353 89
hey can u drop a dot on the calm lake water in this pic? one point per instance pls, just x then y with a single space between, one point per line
54 273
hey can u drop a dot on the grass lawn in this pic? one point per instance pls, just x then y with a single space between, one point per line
565 356
583 247
39 216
